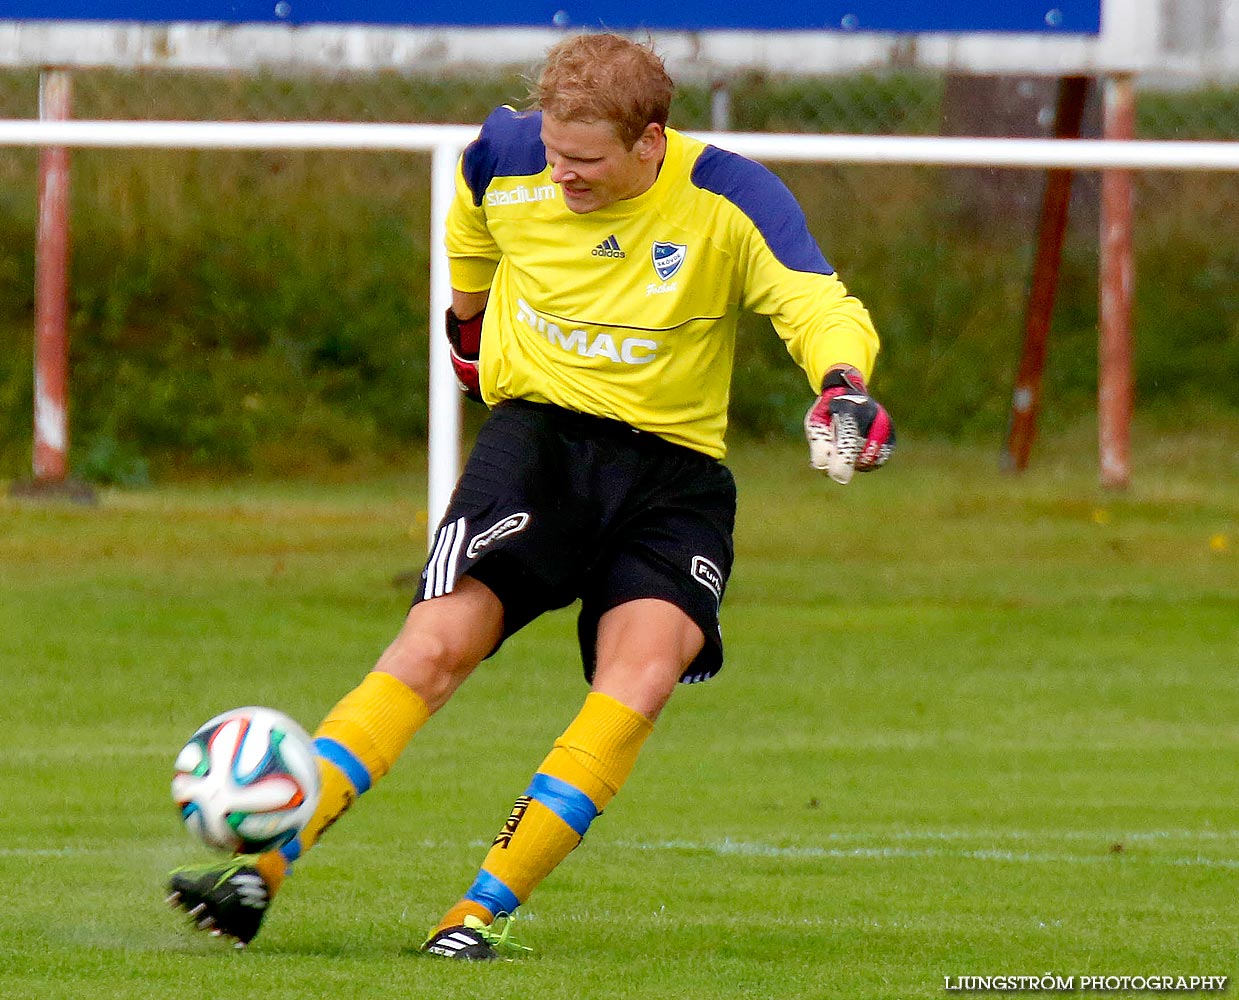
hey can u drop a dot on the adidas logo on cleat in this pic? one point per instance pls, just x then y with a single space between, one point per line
251 890
474 941
459 944
609 248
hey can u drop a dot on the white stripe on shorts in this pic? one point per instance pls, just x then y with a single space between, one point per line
441 567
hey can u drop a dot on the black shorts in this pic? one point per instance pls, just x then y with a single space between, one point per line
555 506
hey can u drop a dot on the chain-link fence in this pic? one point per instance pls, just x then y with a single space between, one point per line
878 103
276 302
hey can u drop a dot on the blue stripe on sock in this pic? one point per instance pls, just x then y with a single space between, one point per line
347 761
566 801
493 894
291 851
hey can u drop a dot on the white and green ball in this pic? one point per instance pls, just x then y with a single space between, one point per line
247 780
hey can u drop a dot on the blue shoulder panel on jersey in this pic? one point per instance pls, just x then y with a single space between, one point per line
509 145
767 202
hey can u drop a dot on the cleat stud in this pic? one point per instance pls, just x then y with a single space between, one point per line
173 900
197 909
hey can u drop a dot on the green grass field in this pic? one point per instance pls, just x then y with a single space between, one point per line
971 725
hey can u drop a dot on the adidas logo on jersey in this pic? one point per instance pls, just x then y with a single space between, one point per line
609 248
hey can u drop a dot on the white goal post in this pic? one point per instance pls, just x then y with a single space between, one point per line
445 143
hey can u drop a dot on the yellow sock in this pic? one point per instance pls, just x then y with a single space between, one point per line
357 744
273 868
580 776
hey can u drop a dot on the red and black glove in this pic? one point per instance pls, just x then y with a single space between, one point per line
465 338
848 430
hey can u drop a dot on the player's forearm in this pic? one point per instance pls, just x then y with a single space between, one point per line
844 337
847 338
466 305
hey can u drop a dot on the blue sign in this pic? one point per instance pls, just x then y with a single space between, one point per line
886 16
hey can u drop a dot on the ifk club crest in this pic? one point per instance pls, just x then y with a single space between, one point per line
668 258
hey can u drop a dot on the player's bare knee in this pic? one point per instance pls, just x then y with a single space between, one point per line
643 683
427 663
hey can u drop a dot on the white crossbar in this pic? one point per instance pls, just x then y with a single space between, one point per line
1079 154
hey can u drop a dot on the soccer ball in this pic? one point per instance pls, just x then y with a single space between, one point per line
247 781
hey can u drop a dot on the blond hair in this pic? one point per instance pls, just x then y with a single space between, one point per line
607 78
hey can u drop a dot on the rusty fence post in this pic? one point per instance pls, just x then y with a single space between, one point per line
1115 380
1055 207
50 447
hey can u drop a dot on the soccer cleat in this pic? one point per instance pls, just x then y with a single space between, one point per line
228 899
474 941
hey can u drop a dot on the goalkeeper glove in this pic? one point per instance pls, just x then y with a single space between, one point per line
848 430
464 336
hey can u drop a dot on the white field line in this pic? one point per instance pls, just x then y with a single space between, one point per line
883 852
991 835
865 848
32 754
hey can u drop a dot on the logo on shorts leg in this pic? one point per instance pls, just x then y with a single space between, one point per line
708 575
505 526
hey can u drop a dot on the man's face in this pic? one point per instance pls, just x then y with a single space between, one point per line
591 165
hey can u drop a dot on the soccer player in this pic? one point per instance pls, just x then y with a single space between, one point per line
599 260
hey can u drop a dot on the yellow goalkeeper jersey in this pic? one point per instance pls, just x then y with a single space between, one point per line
630 311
